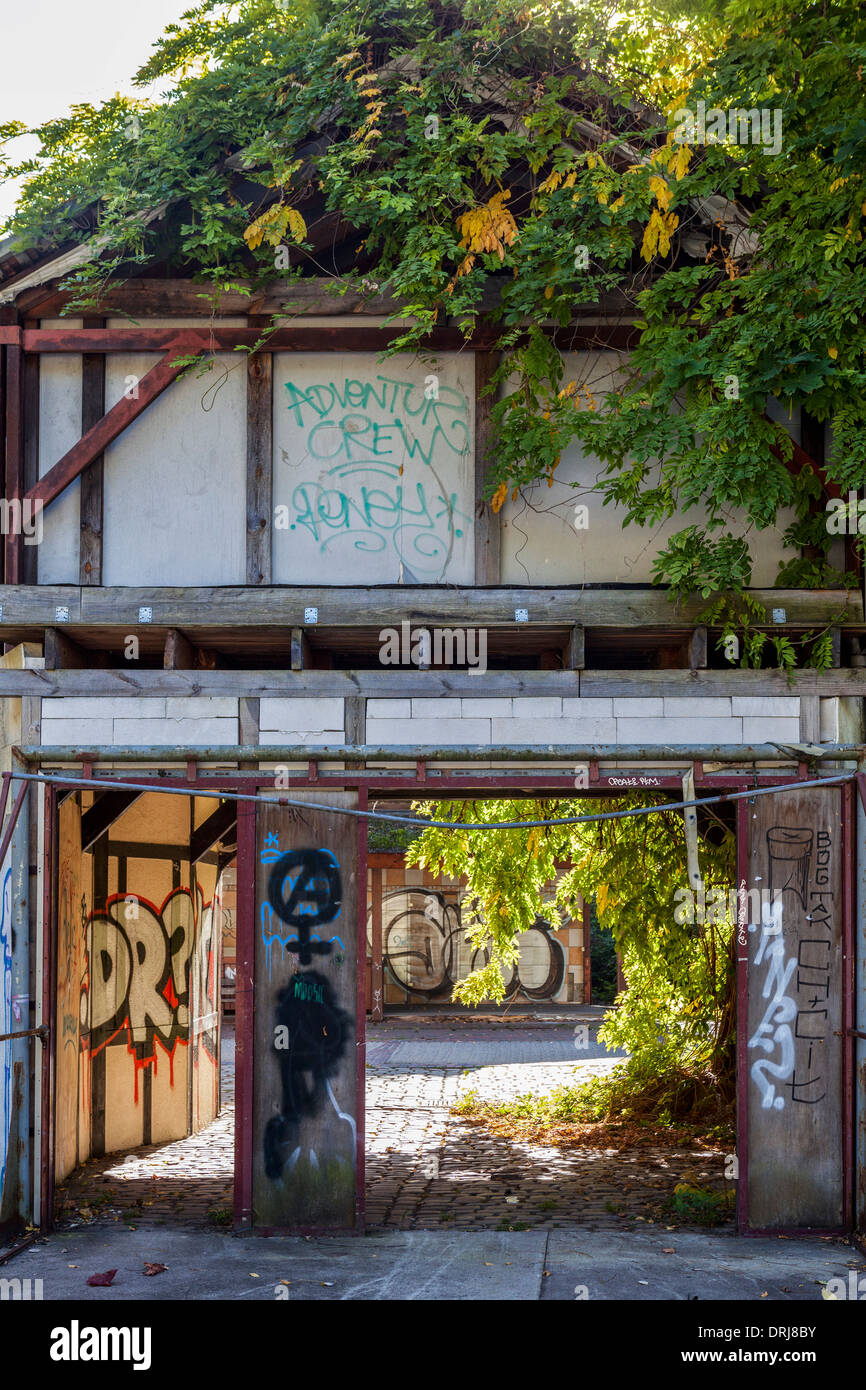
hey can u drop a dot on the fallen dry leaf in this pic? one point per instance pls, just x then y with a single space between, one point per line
102 1281
669 1250
155 1268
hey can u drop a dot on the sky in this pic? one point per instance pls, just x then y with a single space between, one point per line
72 51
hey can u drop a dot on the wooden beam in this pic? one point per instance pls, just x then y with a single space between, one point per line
179 653
61 652
30 446
91 502
320 338
217 825
207 608
574 655
488 524
260 467
300 650
14 462
96 440
103 813
392 683
698 649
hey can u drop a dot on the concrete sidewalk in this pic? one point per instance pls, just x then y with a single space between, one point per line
443 1265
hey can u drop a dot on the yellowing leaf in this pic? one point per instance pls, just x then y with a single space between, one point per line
499 497
662 192
833 352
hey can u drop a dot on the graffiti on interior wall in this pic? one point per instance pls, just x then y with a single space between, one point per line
799 866
311 1029
71 957
139 983
359 435
6 1022
426 952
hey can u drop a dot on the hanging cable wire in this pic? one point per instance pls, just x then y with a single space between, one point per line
275 799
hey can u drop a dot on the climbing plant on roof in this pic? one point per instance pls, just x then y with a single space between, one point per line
497 166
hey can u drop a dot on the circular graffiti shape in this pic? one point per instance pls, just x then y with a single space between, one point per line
315 891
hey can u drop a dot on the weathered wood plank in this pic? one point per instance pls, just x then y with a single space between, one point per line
92 478
394 683
200 609
14 461
305 1086
300 650
30 462
260 467
488 523
794 1083
574 656
698 649
179 653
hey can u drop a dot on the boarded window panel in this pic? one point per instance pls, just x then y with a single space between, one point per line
795 974
175 508
305 1085
373 469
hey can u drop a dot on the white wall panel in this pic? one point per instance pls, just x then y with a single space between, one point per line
375 479
542 545
175 504
59 430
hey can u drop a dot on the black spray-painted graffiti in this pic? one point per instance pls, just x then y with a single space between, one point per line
305 891
790 853
140 976
426 952
317 1030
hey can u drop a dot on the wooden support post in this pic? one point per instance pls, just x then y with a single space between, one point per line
260 467
488 529
587 952
574 653
14 462
377 994
179 653
92 411
300 654
30 445
836 638
248 726
810 719
355 725
61 653
698 649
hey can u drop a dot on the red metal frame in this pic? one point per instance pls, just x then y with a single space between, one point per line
849 984
741 940
361 1020
554 781
244 1017
49 1008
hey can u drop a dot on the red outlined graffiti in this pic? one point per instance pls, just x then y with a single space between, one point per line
138 976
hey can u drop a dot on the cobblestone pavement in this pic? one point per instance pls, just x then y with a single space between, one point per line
425 1167
177 1183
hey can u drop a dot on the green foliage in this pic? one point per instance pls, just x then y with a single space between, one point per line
677 1012
603 962
771 311
701 1206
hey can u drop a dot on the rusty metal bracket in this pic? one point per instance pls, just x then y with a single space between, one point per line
41 1033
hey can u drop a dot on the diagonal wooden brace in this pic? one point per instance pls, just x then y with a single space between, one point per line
113 423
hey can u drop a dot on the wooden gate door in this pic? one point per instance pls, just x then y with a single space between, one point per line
306 1106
